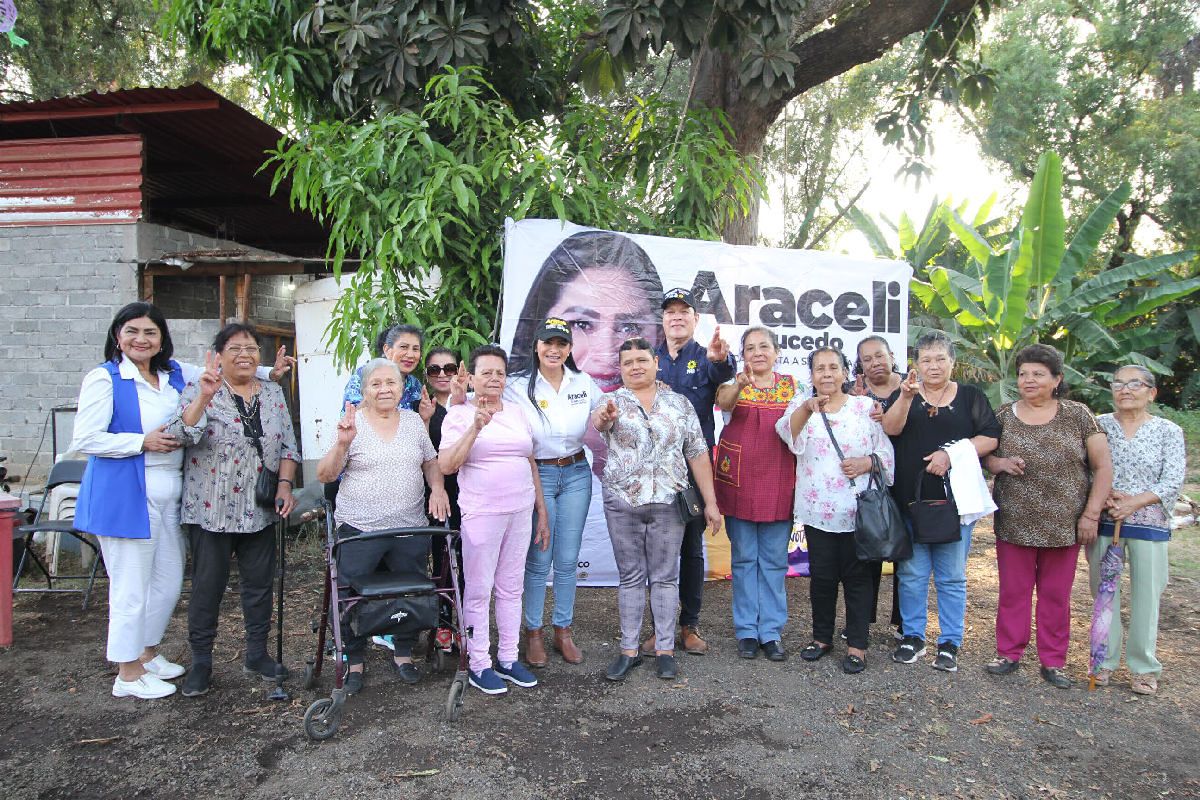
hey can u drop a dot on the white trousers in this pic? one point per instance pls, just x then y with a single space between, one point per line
145 576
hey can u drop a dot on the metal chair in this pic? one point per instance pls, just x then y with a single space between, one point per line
62 473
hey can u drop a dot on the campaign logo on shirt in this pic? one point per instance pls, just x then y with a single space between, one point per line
577 398
692 366
543 403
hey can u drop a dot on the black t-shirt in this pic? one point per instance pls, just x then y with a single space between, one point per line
450 481
968 415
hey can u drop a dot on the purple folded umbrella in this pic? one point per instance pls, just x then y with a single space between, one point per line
1110 574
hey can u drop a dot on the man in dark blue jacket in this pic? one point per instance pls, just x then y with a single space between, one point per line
695 372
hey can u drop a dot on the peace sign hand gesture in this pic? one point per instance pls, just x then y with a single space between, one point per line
483 414
718 348
909 387
606 415
426 407
458 385
744 379
210 379
346 427
283 363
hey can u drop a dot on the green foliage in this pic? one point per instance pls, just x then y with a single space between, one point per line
998 294
421 196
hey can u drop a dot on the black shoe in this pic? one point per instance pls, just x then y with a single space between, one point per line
1002 666
947 657
263 666
774 651
198 680
665 668
748 647
815 652
621 666
1056 678
353 684
407 672
852 665
911 648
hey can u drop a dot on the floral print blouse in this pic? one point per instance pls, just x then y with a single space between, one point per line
1154 460
221 466
825 498
410 395
648 451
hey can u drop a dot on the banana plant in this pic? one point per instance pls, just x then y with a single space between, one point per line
1031 286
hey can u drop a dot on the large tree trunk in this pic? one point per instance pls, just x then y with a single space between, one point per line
858 39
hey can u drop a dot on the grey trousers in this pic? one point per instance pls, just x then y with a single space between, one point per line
646 541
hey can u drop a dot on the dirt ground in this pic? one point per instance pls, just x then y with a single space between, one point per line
725 729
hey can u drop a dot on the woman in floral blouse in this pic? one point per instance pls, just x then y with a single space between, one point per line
825 498
755 483
235 427
1149 464
653 436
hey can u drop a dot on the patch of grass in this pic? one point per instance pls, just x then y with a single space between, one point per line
1190 422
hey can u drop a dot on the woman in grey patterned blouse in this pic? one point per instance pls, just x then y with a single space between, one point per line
223 413
1149 463
653 436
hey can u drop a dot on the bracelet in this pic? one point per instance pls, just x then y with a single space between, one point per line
288 481
1093 519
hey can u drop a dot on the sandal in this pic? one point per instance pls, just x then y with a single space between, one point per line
815 651
1002 666
1102 678
1144 684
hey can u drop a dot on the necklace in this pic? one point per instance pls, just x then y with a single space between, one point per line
932 408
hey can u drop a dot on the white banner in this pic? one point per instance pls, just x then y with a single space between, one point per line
609 287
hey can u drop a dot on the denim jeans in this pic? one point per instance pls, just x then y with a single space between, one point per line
948 564
758 559
568 493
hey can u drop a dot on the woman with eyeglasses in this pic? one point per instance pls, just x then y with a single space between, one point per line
1149 464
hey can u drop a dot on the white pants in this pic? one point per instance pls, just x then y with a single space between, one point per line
145 576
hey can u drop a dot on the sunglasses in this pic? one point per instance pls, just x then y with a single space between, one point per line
436 369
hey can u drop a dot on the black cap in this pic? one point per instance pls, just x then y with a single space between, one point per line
682 295
554 328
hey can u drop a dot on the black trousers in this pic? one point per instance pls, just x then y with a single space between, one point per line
212 554
876 568
691 573
408 555
833 561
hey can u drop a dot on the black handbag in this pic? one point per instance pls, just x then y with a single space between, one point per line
935 521
689 504
879 531
267 484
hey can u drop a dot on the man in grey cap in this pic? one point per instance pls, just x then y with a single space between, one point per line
695 372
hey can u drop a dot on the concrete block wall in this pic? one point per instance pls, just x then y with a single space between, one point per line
59 288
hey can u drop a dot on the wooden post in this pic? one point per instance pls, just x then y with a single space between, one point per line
243 298
148 287
221 300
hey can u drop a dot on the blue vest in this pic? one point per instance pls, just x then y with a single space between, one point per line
112 497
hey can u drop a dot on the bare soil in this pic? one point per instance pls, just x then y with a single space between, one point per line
725 729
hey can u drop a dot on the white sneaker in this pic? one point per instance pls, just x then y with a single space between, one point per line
147 687
162 669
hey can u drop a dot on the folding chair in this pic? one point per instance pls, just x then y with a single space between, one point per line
62 473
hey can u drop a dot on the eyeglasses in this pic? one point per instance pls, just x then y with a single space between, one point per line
1134 385
433 370
237 350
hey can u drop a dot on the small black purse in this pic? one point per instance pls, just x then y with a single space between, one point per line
267 484
935 521
689 504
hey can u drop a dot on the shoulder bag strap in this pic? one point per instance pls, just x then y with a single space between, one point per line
837 447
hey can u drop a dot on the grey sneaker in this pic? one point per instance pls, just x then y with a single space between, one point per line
947 657
911 648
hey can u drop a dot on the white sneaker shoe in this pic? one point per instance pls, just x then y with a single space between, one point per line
147 687
163 669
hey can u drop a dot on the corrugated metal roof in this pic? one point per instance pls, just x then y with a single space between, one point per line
71 181
201 153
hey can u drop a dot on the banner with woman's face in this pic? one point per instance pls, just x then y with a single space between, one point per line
608 287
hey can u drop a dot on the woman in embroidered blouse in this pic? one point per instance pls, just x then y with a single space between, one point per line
235 426
825 498
1149 463
128 423
653 436
379 444
558 398
1053 478
755 479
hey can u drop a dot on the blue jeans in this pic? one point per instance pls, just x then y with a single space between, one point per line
568 493
758 556
948 563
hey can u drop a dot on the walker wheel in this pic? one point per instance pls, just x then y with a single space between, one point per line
454 700
321 721
439 659
310 677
